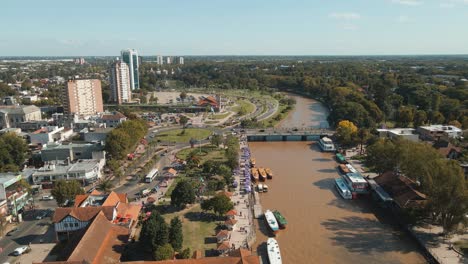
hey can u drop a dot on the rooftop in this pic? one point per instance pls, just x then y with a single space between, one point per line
441 128
399 131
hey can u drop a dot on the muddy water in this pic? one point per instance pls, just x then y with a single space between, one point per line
322 227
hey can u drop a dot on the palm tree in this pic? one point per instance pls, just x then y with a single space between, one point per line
105 186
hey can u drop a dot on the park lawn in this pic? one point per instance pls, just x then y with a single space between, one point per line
219 116
206 152
273 121
179 137
249 107
196 231
177 179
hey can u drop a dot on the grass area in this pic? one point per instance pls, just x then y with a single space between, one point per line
220 116
279 115
248 106
207 152
198 231
184 135
179 178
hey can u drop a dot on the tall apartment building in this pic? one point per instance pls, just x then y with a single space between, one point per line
181 60
159 60
168 60
120 83
130 57
83 97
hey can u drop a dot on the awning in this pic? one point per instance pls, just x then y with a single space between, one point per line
381 193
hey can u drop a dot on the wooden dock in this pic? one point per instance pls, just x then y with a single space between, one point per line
258 212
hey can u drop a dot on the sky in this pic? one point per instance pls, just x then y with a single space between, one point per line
233 27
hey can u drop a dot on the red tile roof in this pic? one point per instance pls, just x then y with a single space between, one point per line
115 116
401 189
83 214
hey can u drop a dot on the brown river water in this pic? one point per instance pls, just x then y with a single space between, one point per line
322 227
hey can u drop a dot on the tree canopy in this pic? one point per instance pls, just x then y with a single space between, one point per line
66 190
183 194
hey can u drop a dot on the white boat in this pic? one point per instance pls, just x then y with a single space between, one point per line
326 144
271 221
342 189
260 188
265 188
274 254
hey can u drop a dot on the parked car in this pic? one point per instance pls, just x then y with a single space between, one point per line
47 197
21 250
41 215
11 232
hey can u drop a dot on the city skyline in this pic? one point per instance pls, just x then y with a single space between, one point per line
359 27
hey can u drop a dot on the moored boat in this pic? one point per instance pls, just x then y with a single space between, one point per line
262 173
280 218
260 188
274 254
252 162
344 169
269 173
271 221
254 173
265 188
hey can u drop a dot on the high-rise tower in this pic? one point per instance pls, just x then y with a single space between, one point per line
120 83
130 57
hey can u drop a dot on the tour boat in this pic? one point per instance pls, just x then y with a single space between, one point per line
265 188
254 173
280 218
326 145
344 169
260 188
269 173
342 189
340 158
271 221
262 173
274 255
252 162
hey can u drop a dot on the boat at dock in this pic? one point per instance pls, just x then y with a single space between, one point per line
269 173
326 145
254 173
260 188
343 169
280 219
252 162
262 173
265 188
271 221
274 254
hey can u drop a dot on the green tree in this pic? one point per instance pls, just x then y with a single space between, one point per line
183 96
220 204
176 237
405 116
105 186
346 133
382 156
66 190
154 232
164 252
183 120
182 194
13 151
216 140
420 118
363 135
185 254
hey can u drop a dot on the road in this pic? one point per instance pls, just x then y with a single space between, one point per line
29 231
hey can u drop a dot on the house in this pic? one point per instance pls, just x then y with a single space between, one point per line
231 214
13 115
112 119
95 134
403 191
230 224
114 206
72 152
50 134
223 247
85 171
222 235
437 132
13 196
447 150
171 173
404 133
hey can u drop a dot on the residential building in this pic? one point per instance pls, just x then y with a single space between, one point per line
83 97
33 125
14 115
447 150
130 57
404 133
50 134
181 60
13 196
437 132
121 90
159 60
29 99
168 60
95 134
112 119
71 152
85 171
211 102
113 206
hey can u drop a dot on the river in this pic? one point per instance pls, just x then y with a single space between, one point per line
322 227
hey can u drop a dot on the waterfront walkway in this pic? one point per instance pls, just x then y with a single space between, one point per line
243 233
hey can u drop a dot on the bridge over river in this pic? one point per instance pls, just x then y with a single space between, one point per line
286 134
